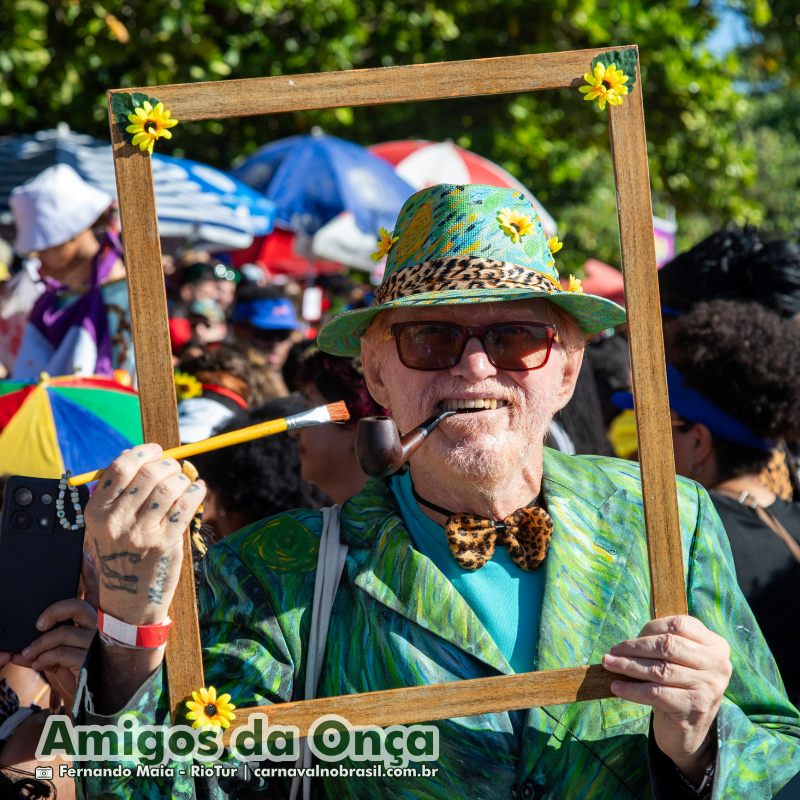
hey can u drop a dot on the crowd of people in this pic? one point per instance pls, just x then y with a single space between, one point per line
534 362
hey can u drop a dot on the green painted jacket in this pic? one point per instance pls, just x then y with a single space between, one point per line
397 621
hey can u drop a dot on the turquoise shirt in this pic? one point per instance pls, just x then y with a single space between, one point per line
505 598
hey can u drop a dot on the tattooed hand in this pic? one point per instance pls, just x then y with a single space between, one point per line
135 523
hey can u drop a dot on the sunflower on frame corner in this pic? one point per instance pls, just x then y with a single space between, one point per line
209 710
143 120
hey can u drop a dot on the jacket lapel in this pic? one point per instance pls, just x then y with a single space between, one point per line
391 571
585 564
586 559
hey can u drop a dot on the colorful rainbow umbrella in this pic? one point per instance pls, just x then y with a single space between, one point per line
69 423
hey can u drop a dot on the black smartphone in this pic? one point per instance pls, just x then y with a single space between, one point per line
40 560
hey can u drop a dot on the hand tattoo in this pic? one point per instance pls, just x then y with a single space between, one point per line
111 563
155 593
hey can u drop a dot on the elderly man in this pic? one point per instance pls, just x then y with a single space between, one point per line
490 556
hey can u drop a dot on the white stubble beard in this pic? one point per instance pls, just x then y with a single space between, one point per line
485 468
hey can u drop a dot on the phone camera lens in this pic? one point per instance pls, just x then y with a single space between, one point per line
47 499
23 496
43 522
20 520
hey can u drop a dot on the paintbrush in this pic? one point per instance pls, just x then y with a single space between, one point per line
333 412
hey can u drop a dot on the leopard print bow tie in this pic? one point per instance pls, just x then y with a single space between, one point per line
472 538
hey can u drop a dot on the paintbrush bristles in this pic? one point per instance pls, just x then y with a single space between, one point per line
338 412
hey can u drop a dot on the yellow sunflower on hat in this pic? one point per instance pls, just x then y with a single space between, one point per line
386 241
515 224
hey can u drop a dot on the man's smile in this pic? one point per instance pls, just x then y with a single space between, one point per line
472 404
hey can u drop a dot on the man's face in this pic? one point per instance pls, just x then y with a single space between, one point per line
484 443
275 344
199 290
226 294
206 331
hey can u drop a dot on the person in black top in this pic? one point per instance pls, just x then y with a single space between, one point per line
734 385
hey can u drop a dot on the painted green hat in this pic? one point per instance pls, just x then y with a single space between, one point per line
467 244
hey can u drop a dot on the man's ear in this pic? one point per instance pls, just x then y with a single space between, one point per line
572 368
370 364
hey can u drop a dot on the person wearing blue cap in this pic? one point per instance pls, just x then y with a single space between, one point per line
266 319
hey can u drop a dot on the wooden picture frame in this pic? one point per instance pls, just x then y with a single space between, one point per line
235 98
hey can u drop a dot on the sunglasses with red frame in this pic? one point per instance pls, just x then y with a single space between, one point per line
513 346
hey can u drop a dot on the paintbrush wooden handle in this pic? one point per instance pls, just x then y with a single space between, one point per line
204 446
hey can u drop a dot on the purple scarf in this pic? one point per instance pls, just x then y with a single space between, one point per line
88 311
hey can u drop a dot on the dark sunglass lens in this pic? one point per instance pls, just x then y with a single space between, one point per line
429 346
517 346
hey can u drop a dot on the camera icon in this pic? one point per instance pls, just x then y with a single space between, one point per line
43 773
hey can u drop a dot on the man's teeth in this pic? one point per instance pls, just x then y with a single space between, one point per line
477 403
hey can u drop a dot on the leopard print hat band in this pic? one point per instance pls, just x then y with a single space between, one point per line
461 273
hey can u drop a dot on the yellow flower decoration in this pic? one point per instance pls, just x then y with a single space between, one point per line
385 243
514 224
615 79
149 125
574 285
208 710
187 386
554 244
606 85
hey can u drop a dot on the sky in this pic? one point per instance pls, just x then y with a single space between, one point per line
731 31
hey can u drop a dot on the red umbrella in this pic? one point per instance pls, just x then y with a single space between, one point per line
277 253
422 163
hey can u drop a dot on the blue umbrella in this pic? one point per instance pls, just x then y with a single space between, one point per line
313 178
194 201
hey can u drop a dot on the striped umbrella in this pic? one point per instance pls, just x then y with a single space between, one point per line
194 201
70 423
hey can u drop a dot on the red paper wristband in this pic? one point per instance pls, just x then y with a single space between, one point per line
145 636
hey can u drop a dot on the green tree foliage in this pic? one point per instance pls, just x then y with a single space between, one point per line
772 131
57 58
774 54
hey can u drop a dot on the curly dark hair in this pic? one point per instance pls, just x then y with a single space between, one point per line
262 477
746 360
338 378
735 264
218 365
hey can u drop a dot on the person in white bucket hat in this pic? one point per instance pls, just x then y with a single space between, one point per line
53 215
81 322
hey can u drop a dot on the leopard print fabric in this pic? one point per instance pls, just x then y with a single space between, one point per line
449 274
471 539
526 533
775 476
527 536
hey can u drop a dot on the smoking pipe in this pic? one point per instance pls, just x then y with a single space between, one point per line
380 449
